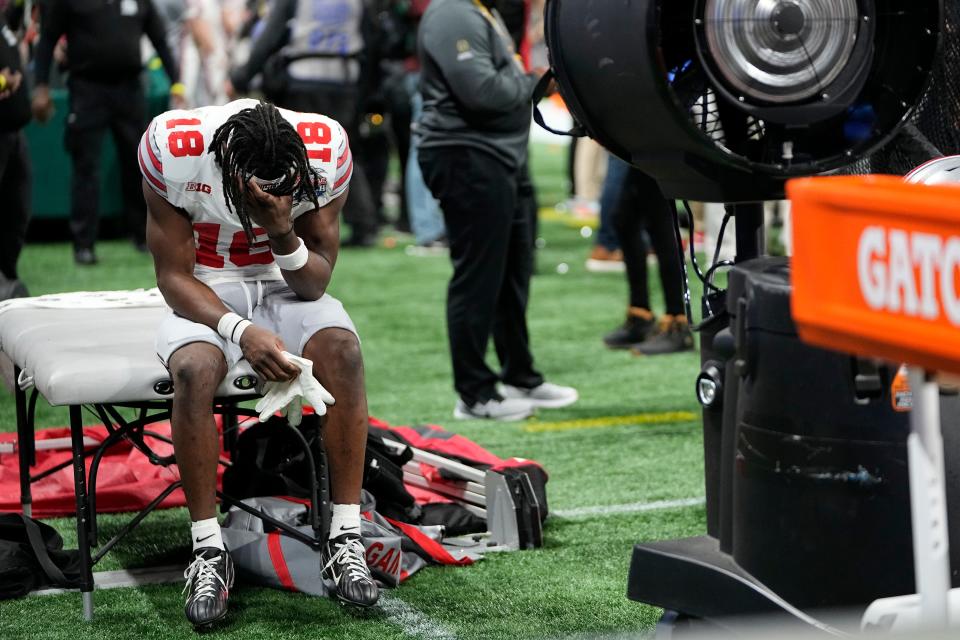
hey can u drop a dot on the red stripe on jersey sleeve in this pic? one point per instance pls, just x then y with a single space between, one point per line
149 144
156 184
346 148
344 177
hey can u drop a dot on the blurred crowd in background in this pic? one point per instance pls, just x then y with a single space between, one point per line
354 60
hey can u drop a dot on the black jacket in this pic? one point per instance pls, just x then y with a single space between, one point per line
475 91
103 39
14 109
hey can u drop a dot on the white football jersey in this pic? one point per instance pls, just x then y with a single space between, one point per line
176 162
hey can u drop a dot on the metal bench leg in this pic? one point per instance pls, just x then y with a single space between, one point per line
321 494
24 448
231 431
83 511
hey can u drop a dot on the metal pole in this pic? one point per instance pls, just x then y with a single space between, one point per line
931 552
24 437
748 220
83 511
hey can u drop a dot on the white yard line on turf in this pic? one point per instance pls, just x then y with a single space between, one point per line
633 507
412 621
125 578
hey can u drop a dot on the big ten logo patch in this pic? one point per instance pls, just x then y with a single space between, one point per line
319 186
199 187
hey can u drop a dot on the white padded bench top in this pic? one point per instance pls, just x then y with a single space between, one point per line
95 353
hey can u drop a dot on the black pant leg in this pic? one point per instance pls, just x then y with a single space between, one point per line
400 115
15 183
8 262
360 210
478 196
510 335
659 222
375 151
643 205
8 145
528 198
628 222
127 125
571 167
86 124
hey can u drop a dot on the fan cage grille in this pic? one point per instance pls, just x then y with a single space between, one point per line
934 128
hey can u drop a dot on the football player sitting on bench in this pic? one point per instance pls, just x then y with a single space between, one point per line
243 223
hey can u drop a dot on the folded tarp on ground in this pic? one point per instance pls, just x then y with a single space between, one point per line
127 481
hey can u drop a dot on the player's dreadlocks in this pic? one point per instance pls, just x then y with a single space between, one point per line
259 142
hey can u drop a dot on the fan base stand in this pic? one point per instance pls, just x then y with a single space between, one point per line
693 577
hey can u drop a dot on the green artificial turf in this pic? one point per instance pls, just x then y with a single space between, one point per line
574 586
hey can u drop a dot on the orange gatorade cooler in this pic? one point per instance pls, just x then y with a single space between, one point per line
877 273
877 268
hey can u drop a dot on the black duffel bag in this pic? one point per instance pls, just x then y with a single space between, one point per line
32 557
270 460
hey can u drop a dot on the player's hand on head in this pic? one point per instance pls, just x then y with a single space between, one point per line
273 213
264 351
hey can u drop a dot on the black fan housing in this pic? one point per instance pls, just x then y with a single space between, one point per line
723 100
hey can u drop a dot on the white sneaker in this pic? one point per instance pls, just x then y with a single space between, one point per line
547 395
505 410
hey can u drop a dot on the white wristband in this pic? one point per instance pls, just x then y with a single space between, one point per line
295 260
231 326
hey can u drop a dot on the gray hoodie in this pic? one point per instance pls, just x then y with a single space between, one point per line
475 91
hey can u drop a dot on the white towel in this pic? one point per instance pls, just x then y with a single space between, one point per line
288 397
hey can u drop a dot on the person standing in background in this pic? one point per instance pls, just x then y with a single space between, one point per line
589 171
173 13
473 152
536 37
201 35
315 56
642 206
606 255
15 174
104 64
426 219
204 58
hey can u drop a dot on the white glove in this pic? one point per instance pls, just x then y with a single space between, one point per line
288 397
